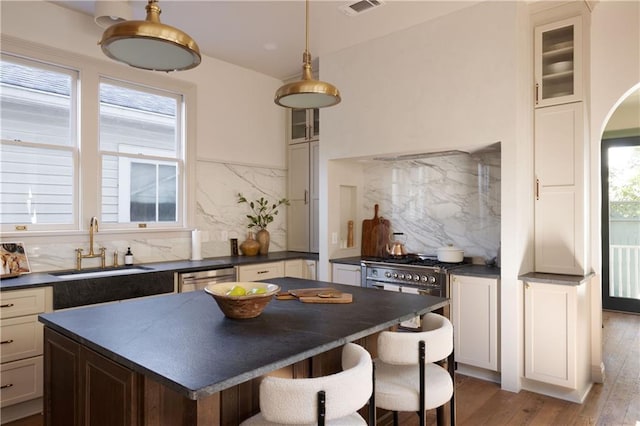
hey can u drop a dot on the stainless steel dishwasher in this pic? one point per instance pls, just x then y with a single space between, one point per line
192 281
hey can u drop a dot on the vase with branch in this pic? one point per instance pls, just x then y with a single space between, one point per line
263 212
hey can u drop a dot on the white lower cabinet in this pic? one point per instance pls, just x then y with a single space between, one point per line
474 314
260 271
300 268
346 274
556 334
21 349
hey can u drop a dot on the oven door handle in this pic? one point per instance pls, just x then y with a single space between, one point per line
377 286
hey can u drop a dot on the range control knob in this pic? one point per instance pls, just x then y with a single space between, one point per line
432 279
424 278
387 274
402 276
409 277
416 277
395 275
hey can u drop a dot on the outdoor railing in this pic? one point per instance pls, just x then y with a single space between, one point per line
624 271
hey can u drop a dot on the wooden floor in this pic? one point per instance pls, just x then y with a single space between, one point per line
616 402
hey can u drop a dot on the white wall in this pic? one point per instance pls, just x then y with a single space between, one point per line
453 83
615 72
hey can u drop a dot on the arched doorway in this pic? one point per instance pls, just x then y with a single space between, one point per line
620 167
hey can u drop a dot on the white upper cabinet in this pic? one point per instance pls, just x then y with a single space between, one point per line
304 125
561 162
558 62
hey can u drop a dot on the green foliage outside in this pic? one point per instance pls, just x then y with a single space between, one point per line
624 182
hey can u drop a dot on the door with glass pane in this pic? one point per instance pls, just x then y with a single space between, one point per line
621 224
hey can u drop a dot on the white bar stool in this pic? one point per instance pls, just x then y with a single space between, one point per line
407 376
329 400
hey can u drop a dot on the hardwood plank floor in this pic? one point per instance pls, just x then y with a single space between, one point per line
615 402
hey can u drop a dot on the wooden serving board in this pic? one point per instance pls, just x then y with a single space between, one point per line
368 246
312 291
375 235
336 298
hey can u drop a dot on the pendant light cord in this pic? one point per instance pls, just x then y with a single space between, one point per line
307 55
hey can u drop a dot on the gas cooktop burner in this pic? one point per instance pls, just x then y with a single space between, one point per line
414 260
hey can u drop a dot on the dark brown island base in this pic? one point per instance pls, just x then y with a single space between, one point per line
176 360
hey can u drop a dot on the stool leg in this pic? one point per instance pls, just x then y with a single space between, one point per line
422 384
395 418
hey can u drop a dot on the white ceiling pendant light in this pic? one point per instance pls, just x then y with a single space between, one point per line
150 45
307 93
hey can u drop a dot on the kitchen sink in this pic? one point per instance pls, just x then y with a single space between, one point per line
74 275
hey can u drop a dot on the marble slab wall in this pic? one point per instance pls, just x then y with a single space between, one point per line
218 212
218 215
440 200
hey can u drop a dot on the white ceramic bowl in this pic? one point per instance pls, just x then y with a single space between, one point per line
560 66
450 254
238 307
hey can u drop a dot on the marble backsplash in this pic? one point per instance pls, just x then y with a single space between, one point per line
440 200
218 216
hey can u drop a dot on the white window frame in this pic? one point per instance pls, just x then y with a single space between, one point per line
88 201
132 153
73 146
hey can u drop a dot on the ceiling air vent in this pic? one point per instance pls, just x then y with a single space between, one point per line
359 7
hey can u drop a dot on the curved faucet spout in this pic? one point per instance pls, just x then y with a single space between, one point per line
93 227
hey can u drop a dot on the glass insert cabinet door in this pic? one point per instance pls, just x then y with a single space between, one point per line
558 62
304 125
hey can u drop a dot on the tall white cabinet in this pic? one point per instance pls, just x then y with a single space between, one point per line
303 211
561 138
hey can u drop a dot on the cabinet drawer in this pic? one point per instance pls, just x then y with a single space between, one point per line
261 271
20 338
20 381
15 303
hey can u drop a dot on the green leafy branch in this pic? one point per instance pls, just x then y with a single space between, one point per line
263 210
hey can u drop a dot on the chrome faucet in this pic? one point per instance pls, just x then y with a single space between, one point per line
93 227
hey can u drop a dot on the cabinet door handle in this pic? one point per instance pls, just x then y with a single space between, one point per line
6 386
8 305
262 272
306 197
537 188
537 92
4 342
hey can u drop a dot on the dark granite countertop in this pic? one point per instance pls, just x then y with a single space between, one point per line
355 260
560 279
481 271
43 279
184 342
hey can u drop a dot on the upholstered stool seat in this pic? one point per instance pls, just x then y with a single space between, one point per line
295 401
402 356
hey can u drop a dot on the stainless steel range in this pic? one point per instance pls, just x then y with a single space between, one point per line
415 274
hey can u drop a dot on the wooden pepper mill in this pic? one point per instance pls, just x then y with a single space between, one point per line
350 233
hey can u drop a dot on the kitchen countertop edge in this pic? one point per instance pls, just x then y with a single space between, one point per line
44 279
560 279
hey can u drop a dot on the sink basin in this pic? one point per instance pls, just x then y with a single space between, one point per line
100 273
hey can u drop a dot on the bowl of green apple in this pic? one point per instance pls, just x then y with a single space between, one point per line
240 300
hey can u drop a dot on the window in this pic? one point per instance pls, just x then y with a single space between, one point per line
124 161
38 154
141 154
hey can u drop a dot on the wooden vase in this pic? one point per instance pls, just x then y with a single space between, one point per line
250 246
263 238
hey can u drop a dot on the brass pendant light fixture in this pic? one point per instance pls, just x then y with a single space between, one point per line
307 93
150 45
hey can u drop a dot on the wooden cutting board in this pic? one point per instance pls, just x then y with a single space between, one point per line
375 235
382 233
316 295
336 298
369 241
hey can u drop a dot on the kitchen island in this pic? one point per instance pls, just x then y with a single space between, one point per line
175 359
